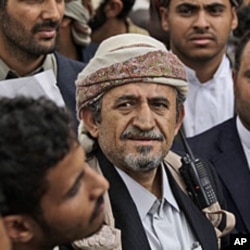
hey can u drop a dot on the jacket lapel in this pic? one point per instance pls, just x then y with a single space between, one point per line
127 218
124 210
67 74
202 228
232 155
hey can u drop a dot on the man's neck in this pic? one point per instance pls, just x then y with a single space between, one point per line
68 48
21 62
66 45
151 180
110 28
204 70
28 247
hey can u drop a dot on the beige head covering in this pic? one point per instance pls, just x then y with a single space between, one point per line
123 59
80 28
128 58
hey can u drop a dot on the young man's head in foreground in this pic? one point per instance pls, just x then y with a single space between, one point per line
51 195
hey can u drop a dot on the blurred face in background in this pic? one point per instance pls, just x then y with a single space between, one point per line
242 87
30 26
199 29
73 206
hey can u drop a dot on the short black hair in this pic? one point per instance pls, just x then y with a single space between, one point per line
127 7
239 50
35 135
243 14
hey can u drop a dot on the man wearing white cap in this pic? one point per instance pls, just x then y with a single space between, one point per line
130 102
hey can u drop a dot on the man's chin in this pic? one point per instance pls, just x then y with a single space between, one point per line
94 231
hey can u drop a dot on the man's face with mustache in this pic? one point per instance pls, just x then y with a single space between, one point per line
138 124
31 26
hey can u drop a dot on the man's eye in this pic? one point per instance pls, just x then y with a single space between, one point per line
185 10
159 105
216 10
73 191
124 105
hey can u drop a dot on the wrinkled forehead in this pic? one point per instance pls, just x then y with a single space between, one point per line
140 90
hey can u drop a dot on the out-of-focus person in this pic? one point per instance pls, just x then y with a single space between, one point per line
28 34
51 195
227 145
111 17
199 33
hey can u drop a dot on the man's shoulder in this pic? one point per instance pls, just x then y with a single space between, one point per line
213 133
64 62
209 143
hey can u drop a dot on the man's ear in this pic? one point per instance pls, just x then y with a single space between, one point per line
164 18
65 23
234 18
113 8
179 118
18 228
89 122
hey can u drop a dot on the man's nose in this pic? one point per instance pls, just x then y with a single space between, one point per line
201 21
98 184
144 118
53 10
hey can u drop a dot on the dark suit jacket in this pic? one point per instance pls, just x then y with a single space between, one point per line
67 74
127 218
222 147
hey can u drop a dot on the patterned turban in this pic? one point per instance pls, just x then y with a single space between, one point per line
128 58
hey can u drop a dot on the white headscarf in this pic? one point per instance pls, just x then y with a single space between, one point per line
80 28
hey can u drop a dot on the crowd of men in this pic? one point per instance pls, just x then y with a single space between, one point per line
91 107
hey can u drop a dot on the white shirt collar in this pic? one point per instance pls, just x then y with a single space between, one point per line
222 71
142 198
48 63
244 135
210 103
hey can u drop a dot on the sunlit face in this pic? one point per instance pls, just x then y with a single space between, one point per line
72 207
199 29
138 124
242 87
30 26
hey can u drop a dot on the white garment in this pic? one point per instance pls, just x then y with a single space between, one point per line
140 4
210 103
168 229
244 135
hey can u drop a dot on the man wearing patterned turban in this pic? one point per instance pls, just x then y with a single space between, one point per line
130 103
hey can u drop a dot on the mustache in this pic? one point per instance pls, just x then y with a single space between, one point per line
137 134
46 24
202 31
